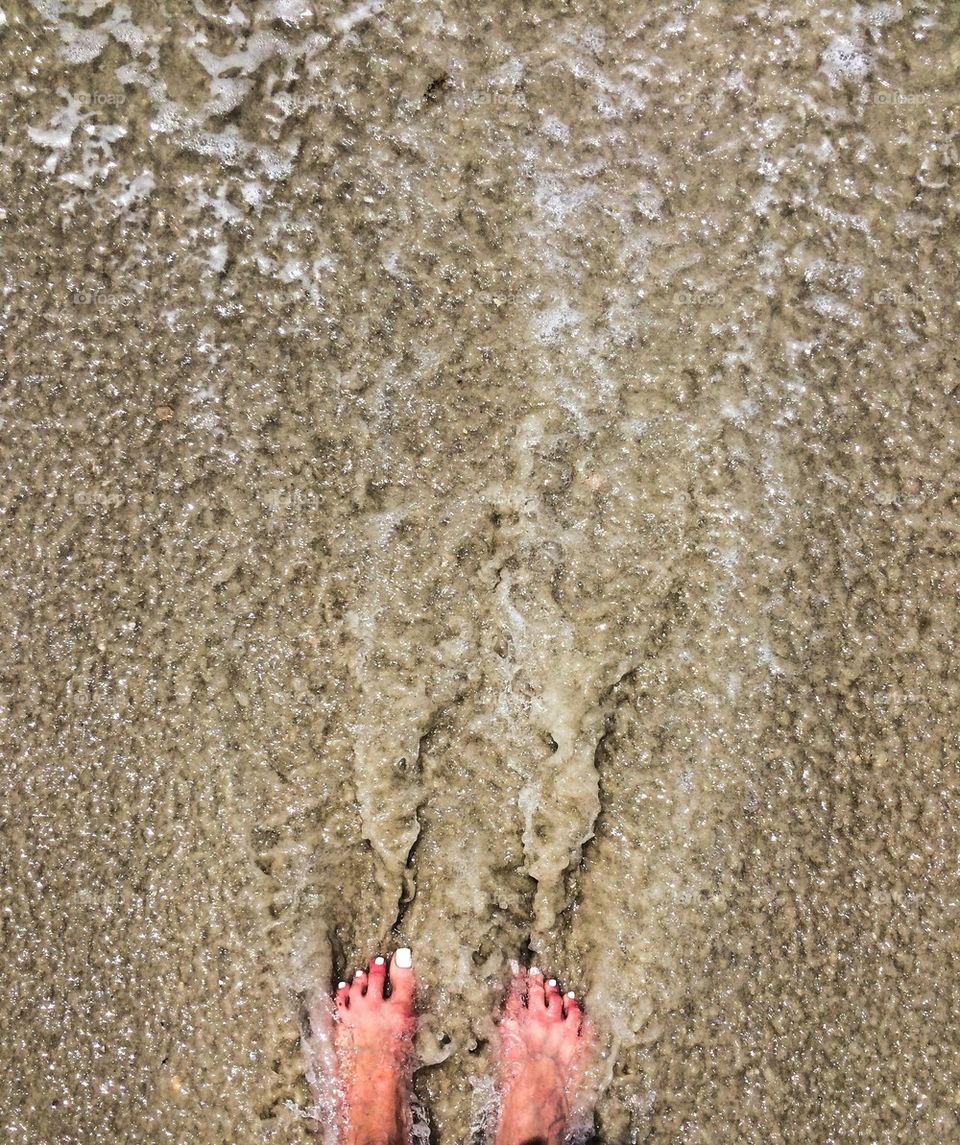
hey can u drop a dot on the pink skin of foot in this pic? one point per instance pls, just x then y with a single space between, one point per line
544 1044
373 1042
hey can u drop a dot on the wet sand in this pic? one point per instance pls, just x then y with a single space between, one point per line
483 481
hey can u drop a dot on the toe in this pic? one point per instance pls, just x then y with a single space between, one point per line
554 1001
342 996
376 977
571 1010
358 987
401 978
516 992
535 998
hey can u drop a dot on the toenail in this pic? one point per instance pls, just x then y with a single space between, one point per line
379 961
403 959
341 985
534 969
552 982
358 973
571 994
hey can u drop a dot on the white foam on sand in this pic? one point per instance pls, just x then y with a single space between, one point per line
358 15
80 45
845 60
320 1066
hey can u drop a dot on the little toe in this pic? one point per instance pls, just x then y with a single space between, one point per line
342 996
402 980
535 998
376 977
552 996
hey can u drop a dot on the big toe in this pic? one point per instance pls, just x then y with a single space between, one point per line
535 998
516 993
401 978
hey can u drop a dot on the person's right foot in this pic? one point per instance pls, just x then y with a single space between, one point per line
544 1040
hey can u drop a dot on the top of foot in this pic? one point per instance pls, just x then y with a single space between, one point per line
373 1026
374 1010
544 1042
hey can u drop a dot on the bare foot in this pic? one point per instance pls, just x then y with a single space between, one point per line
544 1040
372 1041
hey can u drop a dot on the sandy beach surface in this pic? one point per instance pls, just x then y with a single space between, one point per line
481 478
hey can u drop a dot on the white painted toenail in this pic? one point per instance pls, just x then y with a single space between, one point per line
534 969
571 994
341 985
358 973
552 982
403 959
379 961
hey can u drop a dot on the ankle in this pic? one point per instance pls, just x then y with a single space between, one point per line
375 1135
374 1111
384 1125
525 1123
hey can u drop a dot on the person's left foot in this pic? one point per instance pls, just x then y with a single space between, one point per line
372 1040
544 1043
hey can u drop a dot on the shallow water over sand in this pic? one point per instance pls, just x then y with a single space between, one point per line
484 481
